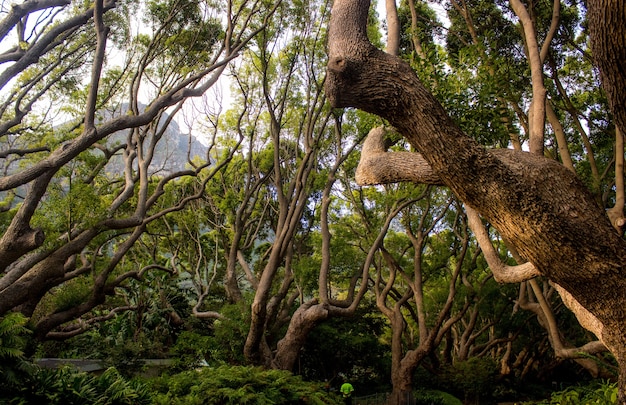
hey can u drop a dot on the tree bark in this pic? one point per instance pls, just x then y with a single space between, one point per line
404 365
303 321
537 204
607 30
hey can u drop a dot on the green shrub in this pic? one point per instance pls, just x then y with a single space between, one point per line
127 357
428 398
70 294
238 385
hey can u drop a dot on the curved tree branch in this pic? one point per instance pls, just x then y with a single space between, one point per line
377 166
501 272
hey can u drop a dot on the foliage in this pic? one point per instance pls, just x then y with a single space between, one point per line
67 386
215 345
13 339
476 81
191 350
598 392
471 379
229 334
228 385
354 348
121 342
128 356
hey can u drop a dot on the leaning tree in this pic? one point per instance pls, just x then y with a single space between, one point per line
538 205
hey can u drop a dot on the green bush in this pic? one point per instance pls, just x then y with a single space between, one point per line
238 385
428 398
127 357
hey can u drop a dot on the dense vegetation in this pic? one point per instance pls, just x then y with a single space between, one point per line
258 266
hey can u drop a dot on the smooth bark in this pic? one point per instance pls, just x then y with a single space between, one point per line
536 114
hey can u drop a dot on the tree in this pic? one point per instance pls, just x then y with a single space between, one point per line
264 208
537 204
72 211
271 208
402 289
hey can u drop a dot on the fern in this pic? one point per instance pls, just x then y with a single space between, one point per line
239 385
68 386
13 339
12 332
117 390
598 392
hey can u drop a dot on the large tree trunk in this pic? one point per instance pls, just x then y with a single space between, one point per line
537 204
402 373
401 378
403 365
402 388
303 321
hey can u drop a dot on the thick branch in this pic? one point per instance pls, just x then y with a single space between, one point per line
587 319
84 325
607 20
207 314
377 166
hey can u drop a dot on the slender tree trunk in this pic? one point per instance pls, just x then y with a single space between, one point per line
393 28
537 112
230 280
417 44
255 341
561 140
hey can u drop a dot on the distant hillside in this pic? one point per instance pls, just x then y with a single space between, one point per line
171 154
